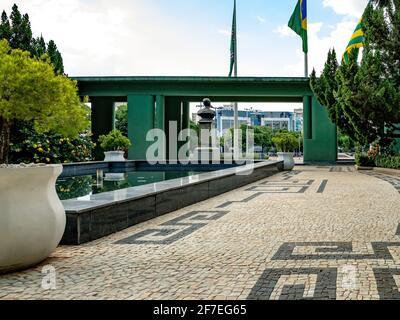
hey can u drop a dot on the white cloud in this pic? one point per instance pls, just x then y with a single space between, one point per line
126 37
134 37
353 8
284 31
261 19
320 45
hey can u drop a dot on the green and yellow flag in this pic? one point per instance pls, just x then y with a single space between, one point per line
298 22
357 41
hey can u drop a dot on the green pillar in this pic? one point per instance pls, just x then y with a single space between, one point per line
307 124
140 121
322 147
103 121
186 115
173 113
159 117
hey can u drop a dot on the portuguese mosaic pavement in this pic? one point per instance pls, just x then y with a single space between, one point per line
314 233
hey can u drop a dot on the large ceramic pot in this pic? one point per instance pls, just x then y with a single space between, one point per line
288 160
114 156
32 217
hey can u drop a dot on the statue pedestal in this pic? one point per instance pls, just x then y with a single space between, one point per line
207 154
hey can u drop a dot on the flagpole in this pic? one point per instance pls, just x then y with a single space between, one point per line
306 65
235 105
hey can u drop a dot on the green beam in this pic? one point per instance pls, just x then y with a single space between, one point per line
103 121
140 121
254 87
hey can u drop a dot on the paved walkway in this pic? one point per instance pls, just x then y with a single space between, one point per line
317 232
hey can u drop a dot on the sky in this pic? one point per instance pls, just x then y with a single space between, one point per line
188 37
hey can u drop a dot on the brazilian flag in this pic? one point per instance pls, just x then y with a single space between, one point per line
298 22
356 42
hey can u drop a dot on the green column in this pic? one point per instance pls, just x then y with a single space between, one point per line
307 124
186 115
140 121
323 145
103 116
173 113
159 117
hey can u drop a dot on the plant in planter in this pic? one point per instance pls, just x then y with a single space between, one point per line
30 91
286 143
115 144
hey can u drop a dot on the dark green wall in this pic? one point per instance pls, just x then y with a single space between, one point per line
322 146
103 114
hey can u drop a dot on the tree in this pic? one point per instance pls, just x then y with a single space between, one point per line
262 136
363 99
39 47
19 35
5 27
30 91
55 57
121 119
21 32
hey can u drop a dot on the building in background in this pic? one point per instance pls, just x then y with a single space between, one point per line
298 120
292 121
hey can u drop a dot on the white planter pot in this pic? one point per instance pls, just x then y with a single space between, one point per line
114 156
288 160
32 217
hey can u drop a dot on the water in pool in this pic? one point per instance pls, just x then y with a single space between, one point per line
81 186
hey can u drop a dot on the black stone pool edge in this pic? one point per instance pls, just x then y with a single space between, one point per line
101 219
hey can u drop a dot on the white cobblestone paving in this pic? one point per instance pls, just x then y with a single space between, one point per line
317 233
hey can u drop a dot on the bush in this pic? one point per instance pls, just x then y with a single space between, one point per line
285 142
121 119
364 160
30 146
390 162
114 141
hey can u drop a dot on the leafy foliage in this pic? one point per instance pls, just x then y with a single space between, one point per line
30 91
29 146
364 160
16 29
391 162
363 100
121 119
285 142
114 141
346 144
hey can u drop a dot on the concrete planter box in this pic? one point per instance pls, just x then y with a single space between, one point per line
32 217
110 212
114 156
288 160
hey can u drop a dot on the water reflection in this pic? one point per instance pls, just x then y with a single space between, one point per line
83 187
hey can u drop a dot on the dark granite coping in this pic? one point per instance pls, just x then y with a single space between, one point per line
101 200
